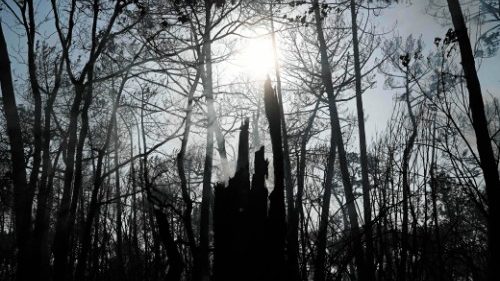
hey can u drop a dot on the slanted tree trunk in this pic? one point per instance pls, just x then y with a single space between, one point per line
326 75
480 125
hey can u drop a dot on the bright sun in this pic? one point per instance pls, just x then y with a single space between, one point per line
257 58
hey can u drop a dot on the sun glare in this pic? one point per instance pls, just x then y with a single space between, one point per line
257 58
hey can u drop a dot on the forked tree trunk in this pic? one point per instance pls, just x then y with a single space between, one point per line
41 253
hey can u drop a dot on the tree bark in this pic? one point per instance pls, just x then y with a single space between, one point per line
365 182
232 224
176 267
29 25
186 196
319 263
22 202
292 210
326 75
61 240
203 271
406 184
118 210
94 206
277 213
480 125
45 190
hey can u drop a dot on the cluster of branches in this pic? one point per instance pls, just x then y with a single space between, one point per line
116 145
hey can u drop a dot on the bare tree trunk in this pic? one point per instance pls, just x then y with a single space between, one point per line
293 229
61 240
93 211
435 216
203 271
186 196
326 75
258 215
29 25
119 235
232 223
205 201
442 271
40 234
406 185
176 265
362 144
22 202
319 263
133 269
277 213
293 222
94 206
480 125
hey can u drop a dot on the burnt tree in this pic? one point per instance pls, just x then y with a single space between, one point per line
249 237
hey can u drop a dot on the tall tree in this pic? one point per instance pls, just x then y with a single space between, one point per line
365 181
480 125
22 202
292 210
326 75
277 213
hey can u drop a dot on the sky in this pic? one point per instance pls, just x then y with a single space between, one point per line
414 19
401 19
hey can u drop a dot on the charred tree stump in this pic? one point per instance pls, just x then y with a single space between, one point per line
277 216
231 220
249 241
